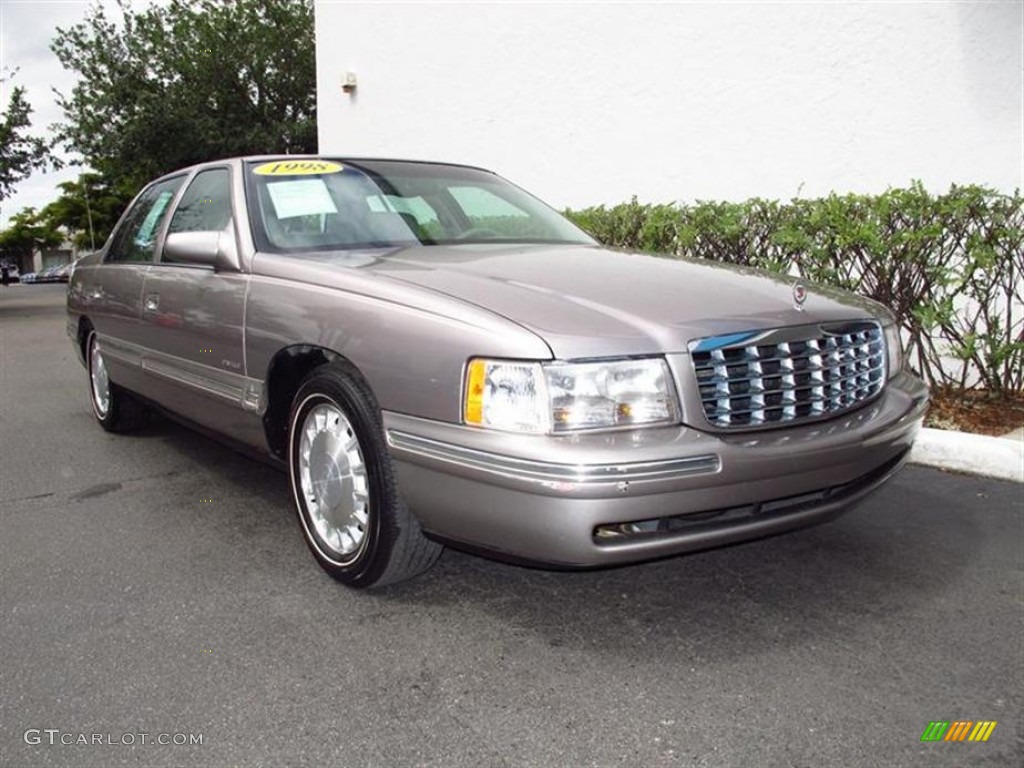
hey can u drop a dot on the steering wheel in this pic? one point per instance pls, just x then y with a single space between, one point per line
477 232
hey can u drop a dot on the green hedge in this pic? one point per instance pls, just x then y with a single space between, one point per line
950 266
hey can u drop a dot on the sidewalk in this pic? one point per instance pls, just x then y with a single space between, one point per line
998 457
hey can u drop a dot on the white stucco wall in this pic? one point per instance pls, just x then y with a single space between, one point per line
592 103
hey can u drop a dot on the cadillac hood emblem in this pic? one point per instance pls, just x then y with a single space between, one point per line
799 296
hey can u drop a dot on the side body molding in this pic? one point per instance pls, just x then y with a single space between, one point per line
243 392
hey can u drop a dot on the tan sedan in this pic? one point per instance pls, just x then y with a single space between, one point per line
435 356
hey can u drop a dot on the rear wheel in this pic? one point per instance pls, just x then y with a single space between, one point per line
346 497
115 409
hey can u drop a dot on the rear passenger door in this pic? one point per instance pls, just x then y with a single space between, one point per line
193 315
112 296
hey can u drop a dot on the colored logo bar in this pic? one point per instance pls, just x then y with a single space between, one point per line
958 730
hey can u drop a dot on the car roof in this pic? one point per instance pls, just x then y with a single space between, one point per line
337 157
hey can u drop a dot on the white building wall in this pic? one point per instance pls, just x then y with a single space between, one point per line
594 103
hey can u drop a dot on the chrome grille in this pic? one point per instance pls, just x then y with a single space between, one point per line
788 375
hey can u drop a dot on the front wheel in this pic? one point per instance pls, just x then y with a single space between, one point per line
346 497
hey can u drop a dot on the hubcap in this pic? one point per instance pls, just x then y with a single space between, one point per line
99 378
332 475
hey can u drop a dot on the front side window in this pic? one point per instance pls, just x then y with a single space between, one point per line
308 205
205 205
135 239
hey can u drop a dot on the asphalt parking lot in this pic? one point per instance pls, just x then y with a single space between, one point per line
159 584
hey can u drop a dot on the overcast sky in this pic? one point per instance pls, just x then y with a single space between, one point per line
26 28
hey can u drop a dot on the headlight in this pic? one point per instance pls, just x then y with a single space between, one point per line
565 397
624 393
505 394
893 349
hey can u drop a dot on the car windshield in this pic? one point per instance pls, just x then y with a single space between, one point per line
320 204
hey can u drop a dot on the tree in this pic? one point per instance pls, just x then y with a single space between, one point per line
88 208
172 85
27 231
20 152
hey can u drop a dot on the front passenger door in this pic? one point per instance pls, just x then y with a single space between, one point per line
193 315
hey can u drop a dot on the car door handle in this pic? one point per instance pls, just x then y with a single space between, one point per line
95 294
152 302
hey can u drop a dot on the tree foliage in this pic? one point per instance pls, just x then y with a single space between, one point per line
27 231
20 152
88 207
171 85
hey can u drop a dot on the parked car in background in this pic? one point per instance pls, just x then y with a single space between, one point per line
46 275
35 277
63 273
53 274
436 356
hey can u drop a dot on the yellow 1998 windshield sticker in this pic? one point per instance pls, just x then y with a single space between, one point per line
297 168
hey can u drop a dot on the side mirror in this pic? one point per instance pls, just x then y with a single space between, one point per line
212 249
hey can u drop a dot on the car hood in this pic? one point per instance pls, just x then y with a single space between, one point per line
588 301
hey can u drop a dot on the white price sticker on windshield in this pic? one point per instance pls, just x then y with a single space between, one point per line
303 197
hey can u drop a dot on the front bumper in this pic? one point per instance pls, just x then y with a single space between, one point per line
553 500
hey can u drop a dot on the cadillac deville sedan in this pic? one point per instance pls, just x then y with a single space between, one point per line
436 358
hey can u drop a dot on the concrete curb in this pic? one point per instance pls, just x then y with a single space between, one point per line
998 457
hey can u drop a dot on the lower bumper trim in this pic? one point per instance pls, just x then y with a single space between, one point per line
527 469
709 521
